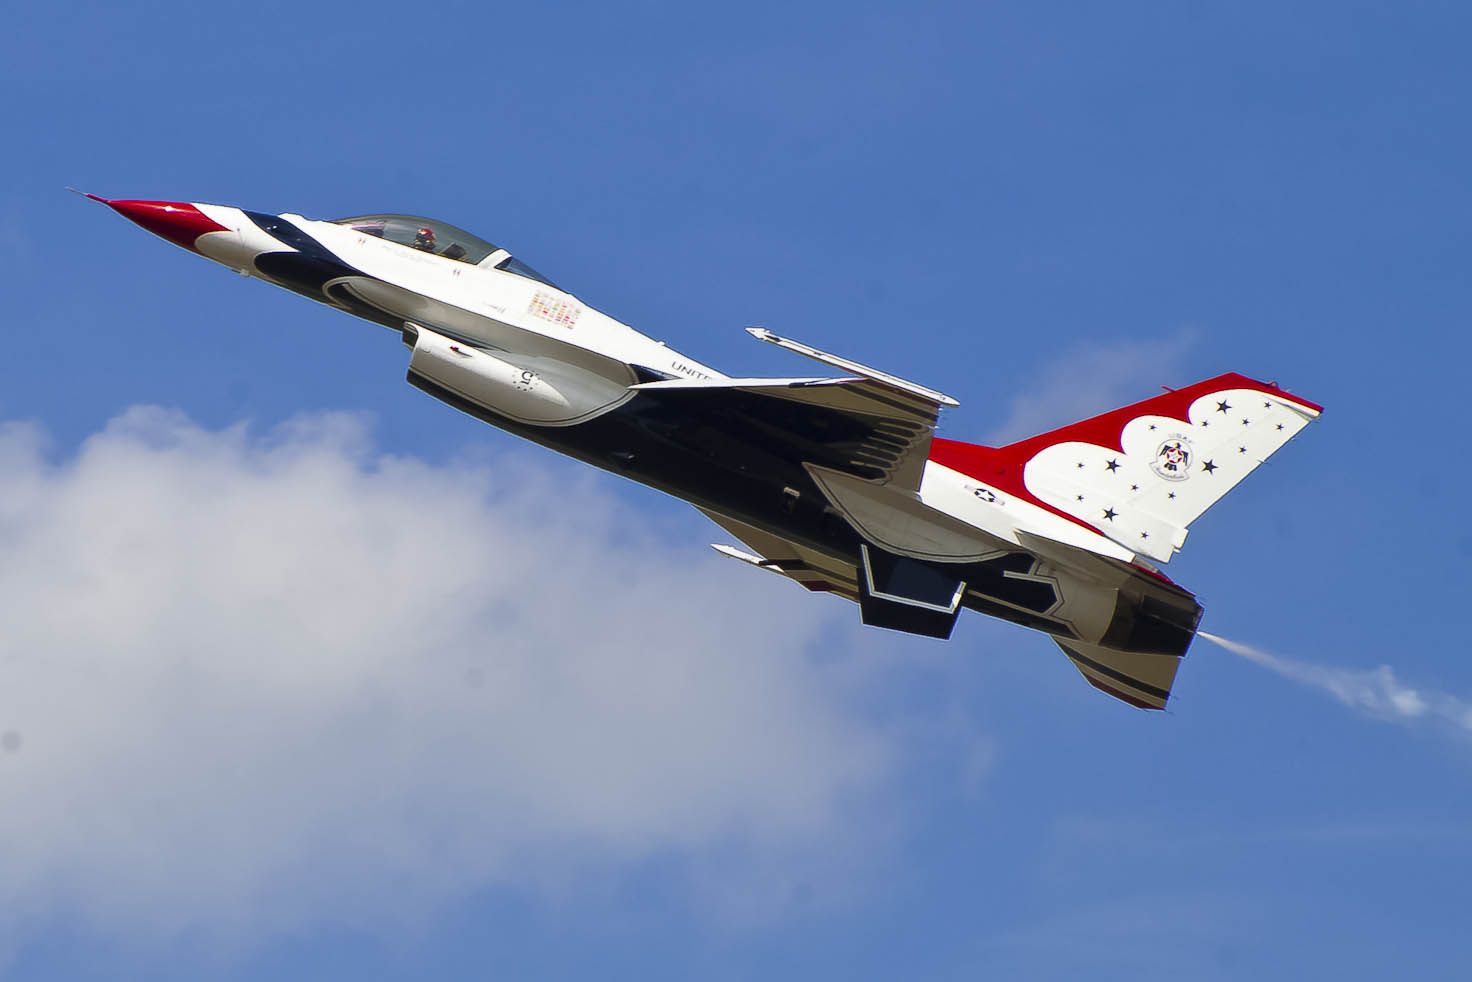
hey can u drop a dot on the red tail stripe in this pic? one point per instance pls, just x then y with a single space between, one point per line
995 467
1106 429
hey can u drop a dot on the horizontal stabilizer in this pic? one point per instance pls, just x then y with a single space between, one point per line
1141 680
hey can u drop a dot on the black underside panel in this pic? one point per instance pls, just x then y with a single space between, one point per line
903 617
907 595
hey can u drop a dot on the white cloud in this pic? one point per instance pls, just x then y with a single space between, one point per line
249 684
1091 378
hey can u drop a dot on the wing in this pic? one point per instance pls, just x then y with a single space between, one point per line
863 440
869 424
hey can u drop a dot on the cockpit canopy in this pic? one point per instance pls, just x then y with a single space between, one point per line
442 239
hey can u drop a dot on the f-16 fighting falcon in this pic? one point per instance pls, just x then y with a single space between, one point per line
836 481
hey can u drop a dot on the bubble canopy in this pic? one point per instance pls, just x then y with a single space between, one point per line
442 239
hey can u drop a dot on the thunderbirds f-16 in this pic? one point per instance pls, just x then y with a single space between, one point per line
836 481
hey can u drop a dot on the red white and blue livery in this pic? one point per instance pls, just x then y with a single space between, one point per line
835 480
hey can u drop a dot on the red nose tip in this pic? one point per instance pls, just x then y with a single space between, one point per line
177 221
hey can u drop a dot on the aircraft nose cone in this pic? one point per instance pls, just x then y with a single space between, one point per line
178 221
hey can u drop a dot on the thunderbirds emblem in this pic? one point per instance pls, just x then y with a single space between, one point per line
1173 459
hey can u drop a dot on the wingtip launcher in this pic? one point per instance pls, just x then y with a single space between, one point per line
873 374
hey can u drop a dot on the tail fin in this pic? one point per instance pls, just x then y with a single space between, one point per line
1143 473
1142 680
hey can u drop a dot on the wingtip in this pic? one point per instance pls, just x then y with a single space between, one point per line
733 553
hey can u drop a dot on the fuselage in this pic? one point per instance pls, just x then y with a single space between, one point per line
495 339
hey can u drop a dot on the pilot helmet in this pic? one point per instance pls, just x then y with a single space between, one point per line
424 238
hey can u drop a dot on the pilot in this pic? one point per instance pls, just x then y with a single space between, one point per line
424 239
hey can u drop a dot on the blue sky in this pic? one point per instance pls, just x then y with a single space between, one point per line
310 677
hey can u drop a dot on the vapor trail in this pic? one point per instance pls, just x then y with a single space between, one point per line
1375 692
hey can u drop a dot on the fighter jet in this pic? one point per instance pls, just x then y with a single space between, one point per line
836 481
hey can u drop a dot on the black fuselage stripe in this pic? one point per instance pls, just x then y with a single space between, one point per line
288 233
